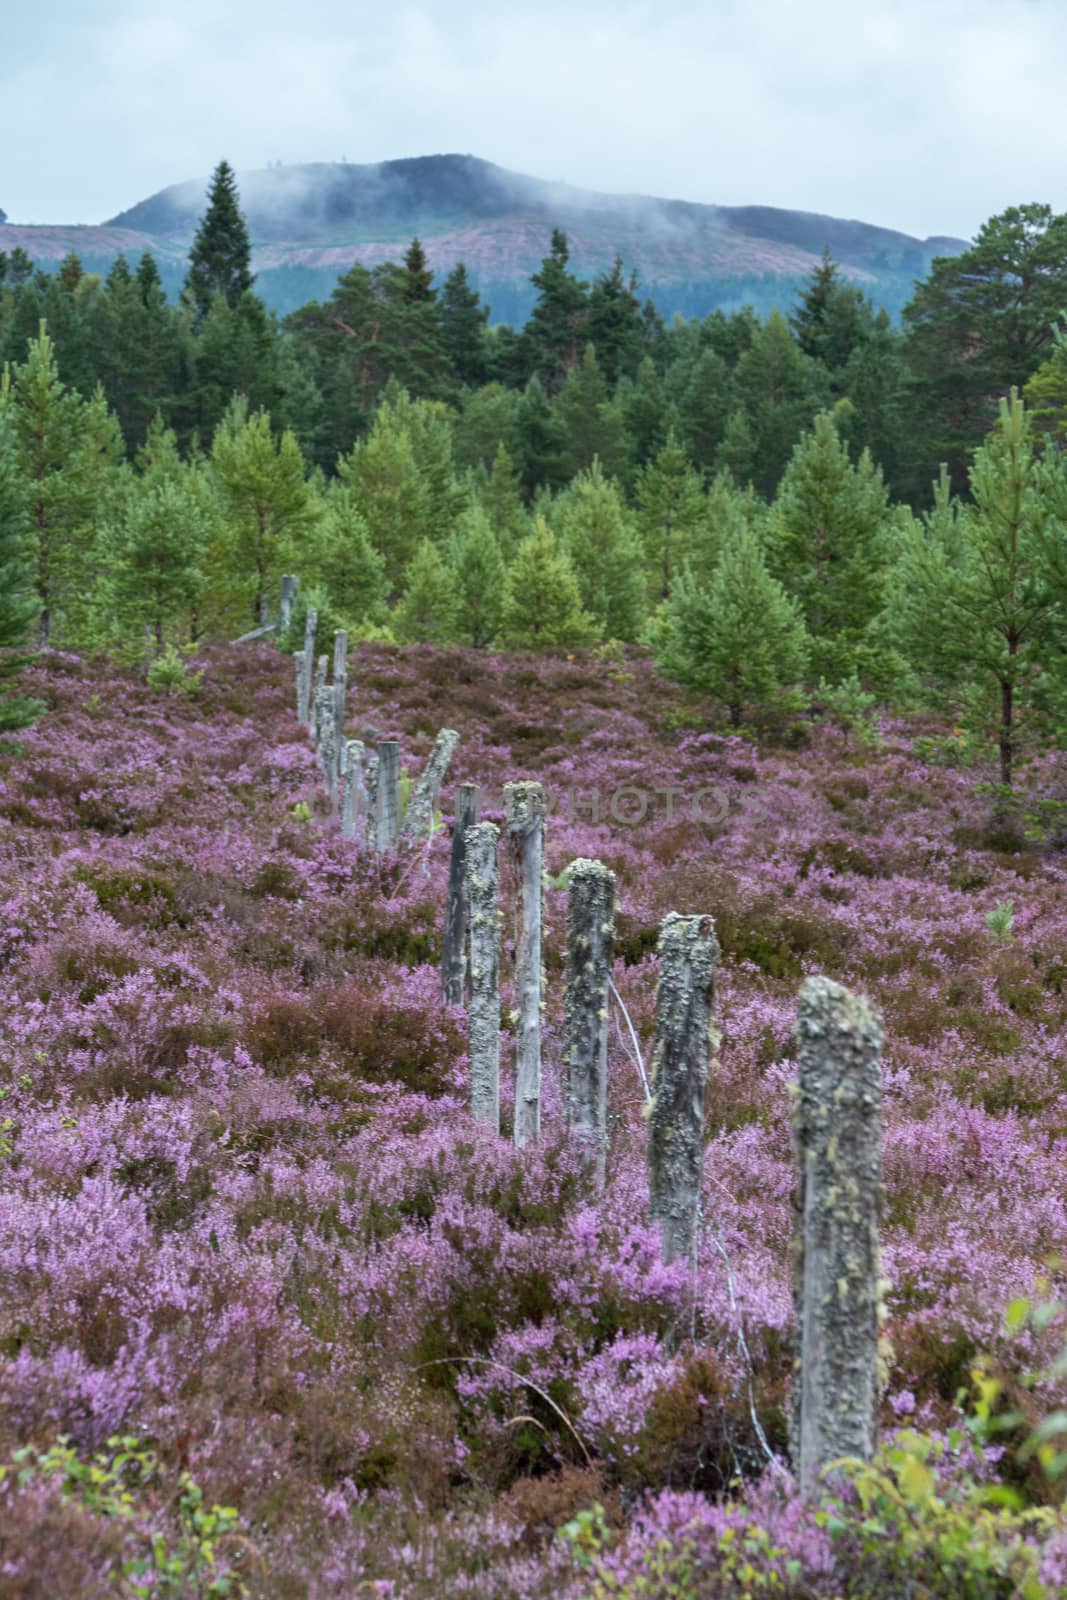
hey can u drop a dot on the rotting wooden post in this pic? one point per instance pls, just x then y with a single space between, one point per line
311 623
688 952
353 790
836 1284
423 801
454 951
524 820
483 1016
317 702
386 796
340 684
301 687
326 739
590 946
290 585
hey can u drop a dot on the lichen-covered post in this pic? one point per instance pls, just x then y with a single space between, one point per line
423 799
483 1015
318 704
454 951
836 1285
290 585
301 687
386 796
326 739
311 623
590 946
340 684
353 790
524 820
688 952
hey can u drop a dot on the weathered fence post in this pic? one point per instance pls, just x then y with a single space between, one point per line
353 792
326 739
590 945
301 687
317 699
419 817
290 585
688 952
386 796
311 623
454 950
524 819
340 684
483 1016
836 1284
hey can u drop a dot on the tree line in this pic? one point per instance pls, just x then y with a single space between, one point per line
818 502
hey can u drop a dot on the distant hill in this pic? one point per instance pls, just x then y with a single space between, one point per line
309 223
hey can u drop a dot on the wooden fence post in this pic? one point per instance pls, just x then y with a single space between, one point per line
386 796
688 952
317 699
353 789
301 687
423 800
590 945
290 585
483 1017
340 684
326 739
454 944
311 623
836 1283
524 819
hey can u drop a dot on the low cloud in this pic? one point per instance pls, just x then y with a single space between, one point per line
922 116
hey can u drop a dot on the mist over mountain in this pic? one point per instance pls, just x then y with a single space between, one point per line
309 223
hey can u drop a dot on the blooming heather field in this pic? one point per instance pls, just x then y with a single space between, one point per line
245 1218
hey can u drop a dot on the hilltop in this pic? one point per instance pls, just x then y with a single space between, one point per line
310 222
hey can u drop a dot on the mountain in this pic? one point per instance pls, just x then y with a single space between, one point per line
309 223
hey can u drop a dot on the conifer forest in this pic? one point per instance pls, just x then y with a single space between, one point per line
533 965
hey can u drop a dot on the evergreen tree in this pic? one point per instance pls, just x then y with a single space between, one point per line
463 325
265 496
418 286
555 331
590 425
981 323
428 612
499 496
220 259
971 601
596 531
829 544
780 389
614 325
740 638
354 571
704 407
670 512
541 441
157 558
480 575
736 454
19 604
542 600
390 493
644 411
486 420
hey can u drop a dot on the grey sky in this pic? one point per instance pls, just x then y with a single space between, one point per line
924 115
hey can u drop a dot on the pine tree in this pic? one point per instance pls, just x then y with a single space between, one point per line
19 605
157 556
670 511
779 389
265 495
220 259
428 612
830 543
740 638
554 333
478 568
971 602
354 571
463 325
501 499
590 425
614 324
542 600
704 407
596 531
644 412
390 493
541 441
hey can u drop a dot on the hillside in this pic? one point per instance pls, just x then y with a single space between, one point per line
309 223
247 1216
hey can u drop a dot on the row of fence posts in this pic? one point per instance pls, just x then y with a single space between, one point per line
837 1116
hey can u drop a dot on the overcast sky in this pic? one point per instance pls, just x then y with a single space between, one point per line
924 115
